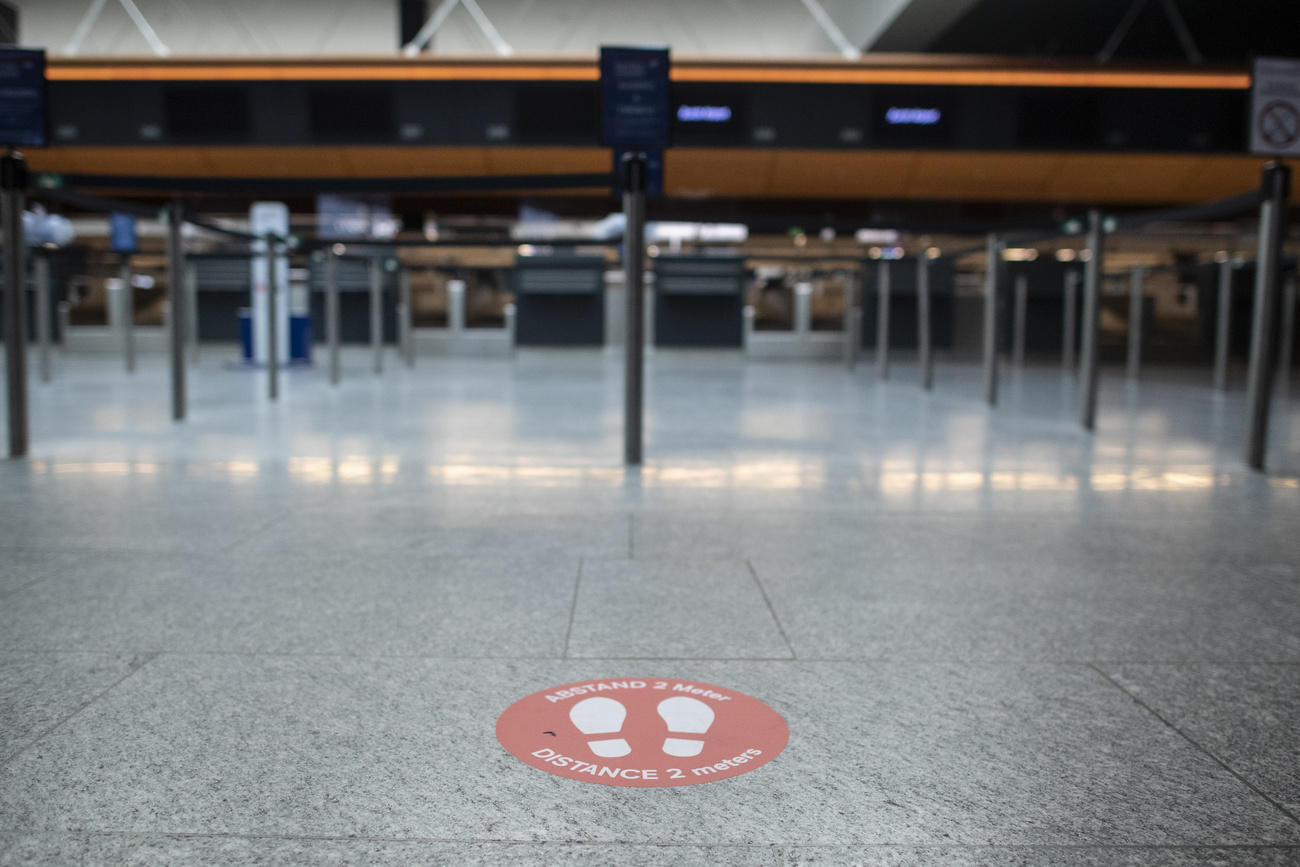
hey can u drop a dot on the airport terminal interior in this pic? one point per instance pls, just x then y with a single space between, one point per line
435 427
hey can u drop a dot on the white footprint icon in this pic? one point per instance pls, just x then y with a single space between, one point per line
687 716
601 716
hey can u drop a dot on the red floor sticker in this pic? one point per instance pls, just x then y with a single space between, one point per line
642 732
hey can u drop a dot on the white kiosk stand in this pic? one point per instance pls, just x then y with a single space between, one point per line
273 218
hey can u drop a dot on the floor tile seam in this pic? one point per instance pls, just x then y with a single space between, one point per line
137 666
573 608
826 660
663 844
14 591
753 573
1165 663
1196 744
252 536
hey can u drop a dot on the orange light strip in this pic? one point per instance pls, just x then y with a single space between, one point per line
361 72
991 77
590 72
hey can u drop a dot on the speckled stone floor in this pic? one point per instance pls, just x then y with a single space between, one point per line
284 633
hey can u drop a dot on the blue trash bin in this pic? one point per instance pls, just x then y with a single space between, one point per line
300 339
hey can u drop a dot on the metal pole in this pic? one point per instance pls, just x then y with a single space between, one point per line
634 180
1069 320
180 299
41 277
332 313
127 302
1223 326
851 328
192 307
1268 278
273 329
1133 363
1018 332
923 321
883 290
1288 333
13 180
1091 310
992 252
377 313
407 335
65 320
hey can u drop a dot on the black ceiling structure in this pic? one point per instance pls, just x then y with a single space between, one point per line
1178 31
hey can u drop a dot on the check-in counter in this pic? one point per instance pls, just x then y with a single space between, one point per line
699 300
560 300
903 323
223 287
353 275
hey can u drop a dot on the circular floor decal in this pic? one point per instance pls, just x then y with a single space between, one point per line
642 732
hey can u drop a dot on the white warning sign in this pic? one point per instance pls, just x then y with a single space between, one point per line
1275 107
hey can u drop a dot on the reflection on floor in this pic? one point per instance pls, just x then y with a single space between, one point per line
284 632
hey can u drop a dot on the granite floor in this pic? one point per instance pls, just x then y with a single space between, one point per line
283 633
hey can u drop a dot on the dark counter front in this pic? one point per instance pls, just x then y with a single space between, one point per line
698 301
559 300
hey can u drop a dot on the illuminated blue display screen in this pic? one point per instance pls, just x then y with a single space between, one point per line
704 113
918 116
22 97
906 117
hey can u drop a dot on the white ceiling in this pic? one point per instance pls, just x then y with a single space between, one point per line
749 28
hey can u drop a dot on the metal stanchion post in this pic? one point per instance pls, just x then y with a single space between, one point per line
127 316
404 292
1287 335
1091 310
883 290
634 186
850 325
65 320
1069 320
377 313
192 308
41 278
179 300
332 313
993 251
273 322
13 182
1133 363
1223 326
1021 311
1268 279
923 321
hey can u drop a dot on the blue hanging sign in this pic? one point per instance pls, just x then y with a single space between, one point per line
22 97
634 97
121 233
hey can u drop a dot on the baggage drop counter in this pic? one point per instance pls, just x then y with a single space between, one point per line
699 301
903 326
353 275
560 300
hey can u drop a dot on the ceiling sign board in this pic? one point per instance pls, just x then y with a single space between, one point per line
642 731
22 98
634 97
1275 107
